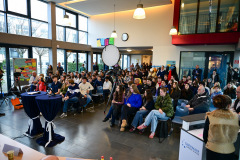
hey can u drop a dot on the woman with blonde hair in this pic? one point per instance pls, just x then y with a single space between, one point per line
215 84
132 104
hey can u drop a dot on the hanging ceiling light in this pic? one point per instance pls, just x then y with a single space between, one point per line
114 33
66 20
139 13
173 31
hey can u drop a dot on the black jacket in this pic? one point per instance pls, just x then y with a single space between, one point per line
195 75
216 78
231 92
200 103
175 94
186 94
149 106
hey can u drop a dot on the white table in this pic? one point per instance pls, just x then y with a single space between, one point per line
192 146
193 120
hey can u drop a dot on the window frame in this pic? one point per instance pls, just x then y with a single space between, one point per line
197 19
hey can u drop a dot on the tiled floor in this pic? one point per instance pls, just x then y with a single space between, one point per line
88 137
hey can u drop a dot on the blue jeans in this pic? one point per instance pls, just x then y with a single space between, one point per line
113 112
153 118
110 112
69 101
138 119
32 88
89 98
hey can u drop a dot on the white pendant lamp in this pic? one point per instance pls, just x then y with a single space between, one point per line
114 33
173 31
66 20
139 13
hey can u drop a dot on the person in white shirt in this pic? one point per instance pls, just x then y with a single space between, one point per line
85 87
33 81
78 79
107 87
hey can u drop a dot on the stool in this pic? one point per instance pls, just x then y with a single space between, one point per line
163 133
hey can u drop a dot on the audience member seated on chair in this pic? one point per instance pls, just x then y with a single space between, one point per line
71 96
148 106
77 79
41 85
236 105
164 109
85 88
56 85
98 82
230 91
48 79
163 85
107 87
217 91
131 105
150 85
221 130
186 93
64 88
200 102
117 102
138 84
215 84
175 94
127 90
33 81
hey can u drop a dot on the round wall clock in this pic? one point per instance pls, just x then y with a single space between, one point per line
125 37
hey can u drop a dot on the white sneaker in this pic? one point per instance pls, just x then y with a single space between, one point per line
63 115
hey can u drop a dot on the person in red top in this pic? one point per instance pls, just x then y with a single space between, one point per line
41 84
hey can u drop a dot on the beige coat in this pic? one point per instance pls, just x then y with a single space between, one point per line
223 131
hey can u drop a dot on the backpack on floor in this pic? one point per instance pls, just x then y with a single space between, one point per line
16 103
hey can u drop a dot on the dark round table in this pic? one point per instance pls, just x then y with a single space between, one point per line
31 109
49 106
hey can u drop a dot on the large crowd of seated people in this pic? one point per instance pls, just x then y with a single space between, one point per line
141 92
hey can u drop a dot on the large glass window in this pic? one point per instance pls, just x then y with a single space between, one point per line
39 10
16 53
4 68
60 57
125 61
94 58
59 15
207 16
1 5
60 33
2 22
72 19
18 25
42 55
189 60
71 35
71 61
39 29
228 16
82 37
82 59
188 15
100 62
18 6
82 23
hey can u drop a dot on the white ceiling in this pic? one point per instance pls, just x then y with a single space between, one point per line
96 7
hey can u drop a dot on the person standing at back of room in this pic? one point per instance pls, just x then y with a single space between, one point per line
221 130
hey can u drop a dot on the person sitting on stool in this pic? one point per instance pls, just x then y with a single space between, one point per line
107 87
56 85
33 81
71 96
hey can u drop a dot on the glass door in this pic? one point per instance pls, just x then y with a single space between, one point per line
219 62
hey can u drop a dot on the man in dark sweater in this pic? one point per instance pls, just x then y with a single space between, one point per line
200 102
72 96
